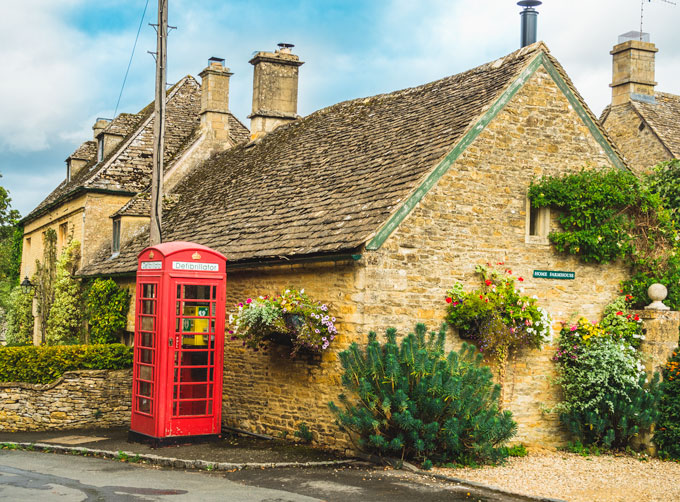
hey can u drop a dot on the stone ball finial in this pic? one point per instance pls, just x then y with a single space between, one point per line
657 293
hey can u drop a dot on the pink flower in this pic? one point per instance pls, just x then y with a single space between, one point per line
249 300
574 327
455 303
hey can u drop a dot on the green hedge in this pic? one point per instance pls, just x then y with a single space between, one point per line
47 363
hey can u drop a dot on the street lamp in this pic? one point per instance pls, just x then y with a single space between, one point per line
26 286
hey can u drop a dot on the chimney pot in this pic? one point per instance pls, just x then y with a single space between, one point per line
285 48
529 21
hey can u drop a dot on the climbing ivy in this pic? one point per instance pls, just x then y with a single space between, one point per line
608 214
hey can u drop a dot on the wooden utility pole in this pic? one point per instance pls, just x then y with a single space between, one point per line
155 235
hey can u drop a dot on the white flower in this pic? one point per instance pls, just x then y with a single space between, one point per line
231 318
302 291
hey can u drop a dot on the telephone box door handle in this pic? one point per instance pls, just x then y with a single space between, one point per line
170 342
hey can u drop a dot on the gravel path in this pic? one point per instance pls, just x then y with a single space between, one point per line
575 478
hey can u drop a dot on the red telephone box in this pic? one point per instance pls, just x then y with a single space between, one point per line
179 344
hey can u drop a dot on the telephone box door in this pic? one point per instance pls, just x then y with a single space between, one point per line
194 376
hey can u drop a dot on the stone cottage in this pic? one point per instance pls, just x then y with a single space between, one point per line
378 206
103 174
642 121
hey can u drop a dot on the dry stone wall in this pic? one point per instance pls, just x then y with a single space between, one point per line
77 400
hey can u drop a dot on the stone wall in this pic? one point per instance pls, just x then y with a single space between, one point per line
77 400
477 214
635 139
272 393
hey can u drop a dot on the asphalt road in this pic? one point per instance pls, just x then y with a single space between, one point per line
34 476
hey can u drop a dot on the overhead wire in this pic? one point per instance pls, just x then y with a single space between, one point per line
141 21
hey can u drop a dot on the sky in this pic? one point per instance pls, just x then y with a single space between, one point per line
63 61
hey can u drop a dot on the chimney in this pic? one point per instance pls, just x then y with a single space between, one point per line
215 100
275 89
633 69
529 21
99 125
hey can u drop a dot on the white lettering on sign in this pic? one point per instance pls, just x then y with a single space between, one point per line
198 267
152 265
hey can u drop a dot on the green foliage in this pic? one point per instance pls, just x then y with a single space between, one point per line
45 277
415 401
47 363
291 317
578 448
303 433
605 214
665 181
667 434
19 318
107 307
65 320
607 399
497 317
518 450
608 214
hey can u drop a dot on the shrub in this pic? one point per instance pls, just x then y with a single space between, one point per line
607 400
107 308
47 363
497 317
291 317
667 435
20 318
416 402
65 321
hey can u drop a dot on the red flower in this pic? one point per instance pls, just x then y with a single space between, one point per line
619 313
637 317
481 297
449 300
487 282
520 279
508 271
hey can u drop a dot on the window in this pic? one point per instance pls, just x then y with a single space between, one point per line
68 170
115 242
537 224
100 148
63 233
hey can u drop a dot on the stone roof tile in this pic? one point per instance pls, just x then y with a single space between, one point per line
327 182
663 117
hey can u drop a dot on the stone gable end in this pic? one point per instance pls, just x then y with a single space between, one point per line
476 213
639 143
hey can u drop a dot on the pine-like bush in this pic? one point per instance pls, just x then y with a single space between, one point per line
414 401
667 435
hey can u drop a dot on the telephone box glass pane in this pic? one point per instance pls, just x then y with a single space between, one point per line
145 389
145 372
144 404
149 290
146 339
148 307
146 356
197 292
147 323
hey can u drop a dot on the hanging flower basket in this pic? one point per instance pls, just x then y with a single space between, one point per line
290 319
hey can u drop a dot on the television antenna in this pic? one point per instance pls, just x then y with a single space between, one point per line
642 11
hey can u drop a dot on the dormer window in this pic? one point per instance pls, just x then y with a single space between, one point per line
115 242
100 148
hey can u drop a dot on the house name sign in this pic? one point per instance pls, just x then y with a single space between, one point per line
553 274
